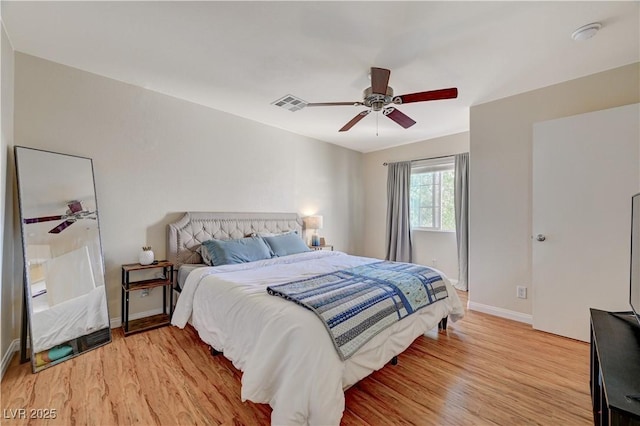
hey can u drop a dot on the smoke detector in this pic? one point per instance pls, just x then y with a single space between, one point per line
585 32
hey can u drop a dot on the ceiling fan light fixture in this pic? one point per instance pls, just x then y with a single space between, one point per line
585 32
375 100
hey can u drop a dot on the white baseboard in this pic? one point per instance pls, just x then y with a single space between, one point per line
7 356
117 322
500 312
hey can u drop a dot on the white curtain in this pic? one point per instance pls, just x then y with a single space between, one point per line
461 196
398 221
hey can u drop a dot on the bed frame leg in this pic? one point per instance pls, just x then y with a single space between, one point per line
213 351
394 360
442 325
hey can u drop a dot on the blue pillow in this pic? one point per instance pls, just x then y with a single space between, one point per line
226 252
286 244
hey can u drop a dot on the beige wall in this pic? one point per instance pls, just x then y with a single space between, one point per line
427 245
156 156
10 291
501 179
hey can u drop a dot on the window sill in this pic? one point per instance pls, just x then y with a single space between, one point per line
433 230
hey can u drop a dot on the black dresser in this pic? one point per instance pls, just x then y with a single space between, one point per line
615 369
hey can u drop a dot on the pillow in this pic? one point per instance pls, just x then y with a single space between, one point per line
286 244
53 354
271 234
204 254
226 252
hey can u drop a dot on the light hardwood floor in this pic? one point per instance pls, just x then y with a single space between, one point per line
484 370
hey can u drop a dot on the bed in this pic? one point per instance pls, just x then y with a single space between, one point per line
287 357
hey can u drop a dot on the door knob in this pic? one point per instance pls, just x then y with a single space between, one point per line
540 237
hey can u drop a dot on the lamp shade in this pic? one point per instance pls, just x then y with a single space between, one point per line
313 222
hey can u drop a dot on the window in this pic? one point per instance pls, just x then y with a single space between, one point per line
431 201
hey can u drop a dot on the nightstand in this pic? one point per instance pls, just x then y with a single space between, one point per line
128 286
322 247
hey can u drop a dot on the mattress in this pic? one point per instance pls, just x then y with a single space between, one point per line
284 350
183 273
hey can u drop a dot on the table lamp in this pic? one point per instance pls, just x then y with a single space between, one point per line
315 223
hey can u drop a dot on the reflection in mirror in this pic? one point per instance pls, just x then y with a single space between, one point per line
64 270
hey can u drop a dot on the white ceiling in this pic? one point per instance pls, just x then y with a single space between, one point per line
239 57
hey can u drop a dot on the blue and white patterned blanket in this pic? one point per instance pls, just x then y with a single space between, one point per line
356 304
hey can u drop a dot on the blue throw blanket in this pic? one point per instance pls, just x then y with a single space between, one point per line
356 304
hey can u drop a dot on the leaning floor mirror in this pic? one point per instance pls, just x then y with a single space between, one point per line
65 290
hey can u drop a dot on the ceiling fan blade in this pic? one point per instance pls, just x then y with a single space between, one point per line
43 219
399 117
75 206
379 80
432 95
354 120
64 225
356 103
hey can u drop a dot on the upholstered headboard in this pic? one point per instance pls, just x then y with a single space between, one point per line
186 235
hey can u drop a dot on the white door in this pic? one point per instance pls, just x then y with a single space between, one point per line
585 170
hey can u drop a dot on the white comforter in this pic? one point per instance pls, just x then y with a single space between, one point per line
283 349
69 320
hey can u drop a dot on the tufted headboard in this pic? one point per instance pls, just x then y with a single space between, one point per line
186 235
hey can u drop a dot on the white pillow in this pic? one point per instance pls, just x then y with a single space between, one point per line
272 234
204 254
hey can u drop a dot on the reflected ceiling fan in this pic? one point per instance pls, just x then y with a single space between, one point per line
74 213
379 97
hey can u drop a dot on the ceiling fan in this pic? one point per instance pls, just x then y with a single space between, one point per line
380 97
74 213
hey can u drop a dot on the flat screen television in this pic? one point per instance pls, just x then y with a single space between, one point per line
634 287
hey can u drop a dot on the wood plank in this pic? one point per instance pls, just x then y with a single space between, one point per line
150 283
138 267
147 323
483 370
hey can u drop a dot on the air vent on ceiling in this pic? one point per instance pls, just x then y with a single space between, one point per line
290 102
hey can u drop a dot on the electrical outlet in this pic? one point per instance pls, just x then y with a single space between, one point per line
144 293
521 292
434 262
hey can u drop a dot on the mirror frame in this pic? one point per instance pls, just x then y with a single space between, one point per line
27 295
